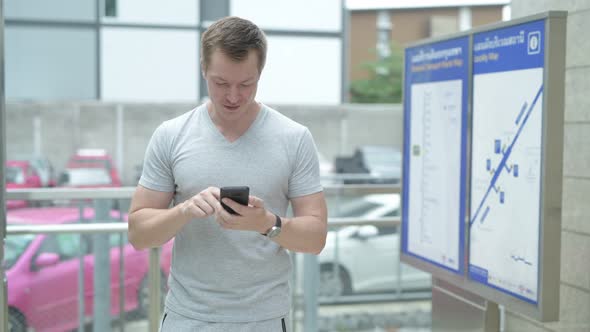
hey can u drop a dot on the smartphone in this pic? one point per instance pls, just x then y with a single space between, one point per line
238 194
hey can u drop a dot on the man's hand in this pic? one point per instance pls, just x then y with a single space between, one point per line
203 204
251 218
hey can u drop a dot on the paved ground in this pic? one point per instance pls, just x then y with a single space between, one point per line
407 316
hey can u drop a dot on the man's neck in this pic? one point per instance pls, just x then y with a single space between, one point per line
232 130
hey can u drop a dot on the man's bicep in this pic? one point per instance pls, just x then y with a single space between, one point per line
310 205
147 198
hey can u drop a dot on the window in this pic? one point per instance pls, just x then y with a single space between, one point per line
67 246
110 8
50 62
169 53
86 177
14 175
212 10
387 230
14 246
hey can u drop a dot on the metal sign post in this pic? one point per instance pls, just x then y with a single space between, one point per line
3 296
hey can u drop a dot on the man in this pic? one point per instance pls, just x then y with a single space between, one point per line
229 272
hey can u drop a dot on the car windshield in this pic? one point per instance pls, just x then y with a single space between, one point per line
86 177
384 157
15 175
370 206
14 246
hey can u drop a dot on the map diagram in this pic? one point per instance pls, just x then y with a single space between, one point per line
436 137
505 182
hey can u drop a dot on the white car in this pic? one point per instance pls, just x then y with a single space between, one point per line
362 259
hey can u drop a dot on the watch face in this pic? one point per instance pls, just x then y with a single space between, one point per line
274 232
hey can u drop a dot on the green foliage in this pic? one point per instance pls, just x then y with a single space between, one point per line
384 84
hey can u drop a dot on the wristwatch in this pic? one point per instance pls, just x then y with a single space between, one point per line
275 230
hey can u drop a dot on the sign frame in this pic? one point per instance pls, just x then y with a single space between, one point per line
547 307
413 258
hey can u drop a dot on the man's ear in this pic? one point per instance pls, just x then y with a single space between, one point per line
203 70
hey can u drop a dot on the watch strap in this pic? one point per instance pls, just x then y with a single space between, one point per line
278 224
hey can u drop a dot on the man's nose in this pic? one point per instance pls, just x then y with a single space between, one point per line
233 95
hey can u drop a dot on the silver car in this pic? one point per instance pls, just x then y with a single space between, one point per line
364 259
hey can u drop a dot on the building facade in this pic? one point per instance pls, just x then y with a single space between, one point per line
148 50
374 24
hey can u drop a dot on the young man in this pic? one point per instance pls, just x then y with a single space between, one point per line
229 272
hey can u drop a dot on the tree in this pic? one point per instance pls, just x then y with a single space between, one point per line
384 84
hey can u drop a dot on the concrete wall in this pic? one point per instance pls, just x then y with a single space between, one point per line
56 130
575 242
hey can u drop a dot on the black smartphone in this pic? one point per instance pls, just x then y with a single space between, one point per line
238 194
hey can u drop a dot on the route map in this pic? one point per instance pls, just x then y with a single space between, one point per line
435 140
504 219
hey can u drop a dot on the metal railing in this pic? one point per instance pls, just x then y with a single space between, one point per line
311 267
100 227
99 195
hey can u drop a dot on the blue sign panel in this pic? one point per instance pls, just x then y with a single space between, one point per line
435 131
508 76
513 48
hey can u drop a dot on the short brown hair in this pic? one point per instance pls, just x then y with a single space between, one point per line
235 37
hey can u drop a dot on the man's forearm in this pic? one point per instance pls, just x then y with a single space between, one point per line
305 234
149 228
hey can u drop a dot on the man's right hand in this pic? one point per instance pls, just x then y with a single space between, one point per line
152 223
203 204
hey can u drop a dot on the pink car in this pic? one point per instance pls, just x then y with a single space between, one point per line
20 174
42 272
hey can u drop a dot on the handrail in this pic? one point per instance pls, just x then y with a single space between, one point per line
364 189
357 176
89 228
340 222
120 227
39 194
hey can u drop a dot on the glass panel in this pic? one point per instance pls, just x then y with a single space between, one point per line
110 8
286 56
85 177
212 10
58 10
15 175
68 245
149 65
14 246
306 15
182 12
50 63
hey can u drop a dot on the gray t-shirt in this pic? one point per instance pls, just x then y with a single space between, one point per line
221 275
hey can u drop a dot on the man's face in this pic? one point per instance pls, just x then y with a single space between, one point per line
232 85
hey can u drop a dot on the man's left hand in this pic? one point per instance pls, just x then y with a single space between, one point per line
253 217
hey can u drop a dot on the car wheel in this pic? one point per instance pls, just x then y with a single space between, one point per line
16 322
143 295
334 282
